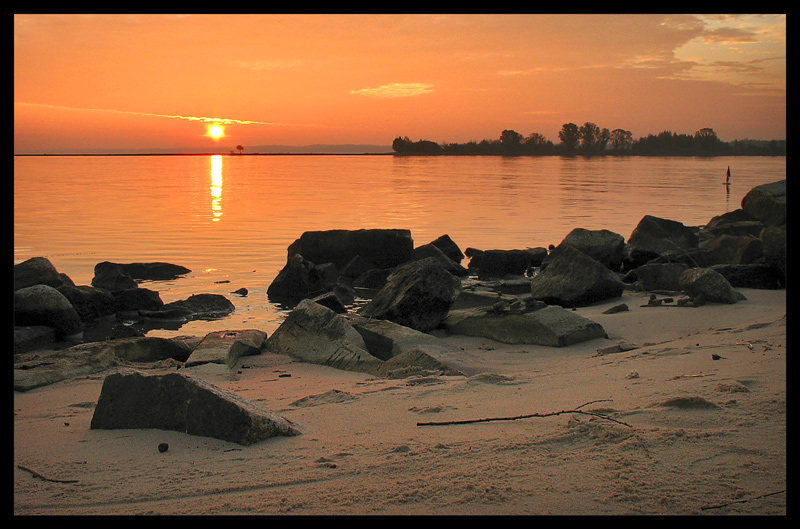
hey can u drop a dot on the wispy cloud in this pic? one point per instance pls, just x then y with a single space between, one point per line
395 90
226 121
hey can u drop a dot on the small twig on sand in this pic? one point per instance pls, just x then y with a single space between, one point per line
548 414
37 475
529 416
745 500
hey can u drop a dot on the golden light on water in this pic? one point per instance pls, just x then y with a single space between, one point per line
216 187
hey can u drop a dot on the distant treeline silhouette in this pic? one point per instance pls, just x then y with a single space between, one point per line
590 140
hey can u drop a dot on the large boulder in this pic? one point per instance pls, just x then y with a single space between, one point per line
725 249
655 236
761 276
550 326
573 279
36 271
226 347
705 284
417 295
180 402
316 334
91 303
299 279
381 248
604 246
767 203
44 305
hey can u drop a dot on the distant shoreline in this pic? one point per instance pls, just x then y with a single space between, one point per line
398 154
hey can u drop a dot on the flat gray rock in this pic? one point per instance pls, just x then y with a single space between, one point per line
552 326
226 347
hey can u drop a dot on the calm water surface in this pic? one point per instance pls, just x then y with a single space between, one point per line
230 219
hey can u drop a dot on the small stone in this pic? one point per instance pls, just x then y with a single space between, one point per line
163 447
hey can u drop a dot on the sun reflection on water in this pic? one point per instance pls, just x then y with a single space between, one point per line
216 187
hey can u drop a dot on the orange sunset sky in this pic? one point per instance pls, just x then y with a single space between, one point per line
94 83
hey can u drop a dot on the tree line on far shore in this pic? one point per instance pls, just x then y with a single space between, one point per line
591 140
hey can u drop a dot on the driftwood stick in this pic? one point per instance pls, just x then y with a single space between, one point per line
529 416
745 500
548 414
37 475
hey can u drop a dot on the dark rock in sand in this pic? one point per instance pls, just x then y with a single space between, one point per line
761 276
182 403
709 285
573 279
381 248
417 295
36 271
767 203
44 305
28 338
725 249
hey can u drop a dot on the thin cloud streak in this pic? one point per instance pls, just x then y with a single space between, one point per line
225 121
395 90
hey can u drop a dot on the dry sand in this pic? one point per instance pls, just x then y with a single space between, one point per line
700 436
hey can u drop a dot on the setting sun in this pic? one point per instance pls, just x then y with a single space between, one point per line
215 131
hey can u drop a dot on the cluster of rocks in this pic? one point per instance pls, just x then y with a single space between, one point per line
48 306
370 301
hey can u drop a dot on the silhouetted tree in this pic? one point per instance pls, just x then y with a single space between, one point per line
239 148
621 140
570 136
511 141
589 133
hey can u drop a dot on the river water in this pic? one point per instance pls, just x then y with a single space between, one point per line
231 218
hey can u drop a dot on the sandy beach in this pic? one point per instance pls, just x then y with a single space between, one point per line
690 422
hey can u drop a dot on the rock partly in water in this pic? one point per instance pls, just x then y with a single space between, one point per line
381 248
155 271
502 263
417 295
573 279
36 271
44 305
180 402
550 326
299 279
